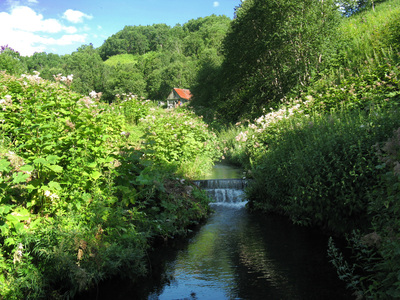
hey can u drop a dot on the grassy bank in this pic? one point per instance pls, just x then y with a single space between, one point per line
329 154
84 192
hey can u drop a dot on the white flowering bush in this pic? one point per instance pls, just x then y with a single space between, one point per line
74 192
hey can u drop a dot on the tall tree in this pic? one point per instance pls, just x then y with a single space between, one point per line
87 67
11 61
271 47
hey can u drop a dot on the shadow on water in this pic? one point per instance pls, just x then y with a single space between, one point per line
237 255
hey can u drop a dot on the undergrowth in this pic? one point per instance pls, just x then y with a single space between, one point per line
80 201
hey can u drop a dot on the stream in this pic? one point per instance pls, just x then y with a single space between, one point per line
239 255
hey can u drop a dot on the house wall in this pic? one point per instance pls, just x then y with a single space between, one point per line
173 96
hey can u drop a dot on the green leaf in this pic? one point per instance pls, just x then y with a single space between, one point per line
20 177
4 209
95 175
4 164
27 168
53 159
92 165
55 168
40 160
9 242
54 185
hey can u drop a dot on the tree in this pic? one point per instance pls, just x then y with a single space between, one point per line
48 64
271 47
123 79
87 67
10 61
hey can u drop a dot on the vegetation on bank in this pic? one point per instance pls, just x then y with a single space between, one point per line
80 199
327 153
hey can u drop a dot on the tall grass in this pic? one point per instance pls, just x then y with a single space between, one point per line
364 38
320 172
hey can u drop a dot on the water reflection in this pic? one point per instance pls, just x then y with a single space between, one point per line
222 171
240 256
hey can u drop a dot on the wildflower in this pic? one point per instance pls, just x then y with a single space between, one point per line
18 253
51 196
70 124
242 137
93 94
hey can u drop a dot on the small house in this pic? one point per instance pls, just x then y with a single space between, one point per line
178 96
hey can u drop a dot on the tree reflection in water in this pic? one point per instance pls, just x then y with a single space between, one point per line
237 255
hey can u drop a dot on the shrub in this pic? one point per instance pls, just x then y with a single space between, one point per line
78 202
181 139
320 170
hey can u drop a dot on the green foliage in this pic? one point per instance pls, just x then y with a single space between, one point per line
132 108
269 49
121 59
123 79
87 67
325 157
180 138
11 61
47 64
78 203
319 170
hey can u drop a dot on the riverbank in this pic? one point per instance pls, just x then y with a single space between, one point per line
82 197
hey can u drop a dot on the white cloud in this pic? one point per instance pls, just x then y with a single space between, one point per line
75 16
33 1
27 31
216 4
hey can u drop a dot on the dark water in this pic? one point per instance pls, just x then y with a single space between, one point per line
239 255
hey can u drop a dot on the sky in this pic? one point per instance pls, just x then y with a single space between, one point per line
62 26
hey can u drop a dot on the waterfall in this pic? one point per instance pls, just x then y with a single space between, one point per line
225 192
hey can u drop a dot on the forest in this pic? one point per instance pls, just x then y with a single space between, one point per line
304 95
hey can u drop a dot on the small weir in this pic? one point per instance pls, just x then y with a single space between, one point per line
239 255
225 191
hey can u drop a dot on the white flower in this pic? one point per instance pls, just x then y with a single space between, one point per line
93 94
51 196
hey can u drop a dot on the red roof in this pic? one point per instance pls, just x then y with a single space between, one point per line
183 93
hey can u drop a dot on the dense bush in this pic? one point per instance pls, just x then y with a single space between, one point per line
319 171
78 203
180 138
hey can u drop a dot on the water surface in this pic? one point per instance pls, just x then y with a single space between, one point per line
237 255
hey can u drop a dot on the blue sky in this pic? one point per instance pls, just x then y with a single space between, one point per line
56 26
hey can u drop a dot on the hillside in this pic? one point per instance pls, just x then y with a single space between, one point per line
326 153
